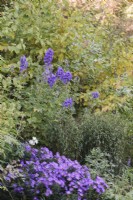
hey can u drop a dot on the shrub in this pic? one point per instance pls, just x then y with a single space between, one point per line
10 148
52 176
104 131
121 187
100 165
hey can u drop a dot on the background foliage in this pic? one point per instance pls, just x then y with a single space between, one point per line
79 38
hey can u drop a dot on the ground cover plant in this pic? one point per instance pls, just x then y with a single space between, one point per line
40 173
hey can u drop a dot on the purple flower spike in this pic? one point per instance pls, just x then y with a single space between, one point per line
23 64
66 77
129 162
68 103
59 72
51 80
95 95
48 57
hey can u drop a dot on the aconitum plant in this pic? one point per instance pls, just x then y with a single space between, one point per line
59 72
23 63
48 75
66 77
43 174
51 80
68 103
48 57
95 95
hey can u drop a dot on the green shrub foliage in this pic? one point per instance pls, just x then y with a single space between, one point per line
105 131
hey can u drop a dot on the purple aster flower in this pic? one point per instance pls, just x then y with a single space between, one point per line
95 95
35 198
23 64
18 189
48 192
66 77
51 80
59 72
68 103
48 57
28 148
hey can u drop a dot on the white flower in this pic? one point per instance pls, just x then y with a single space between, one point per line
33 141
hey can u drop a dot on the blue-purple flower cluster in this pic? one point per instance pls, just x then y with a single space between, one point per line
42 172
68 103
23 63
65 77
48 57
50 78
95 95
48 75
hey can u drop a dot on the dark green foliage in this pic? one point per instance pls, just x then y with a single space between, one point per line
105 131
64 136
76 138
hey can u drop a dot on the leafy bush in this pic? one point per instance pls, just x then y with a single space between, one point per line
126 112
52 176
77 137
99 164
121 187
104 131
10 148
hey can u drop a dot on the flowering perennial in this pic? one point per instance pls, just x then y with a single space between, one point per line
51 80
45 173
95 95
59 72
68 103
66 77
48 57
23 64
33 141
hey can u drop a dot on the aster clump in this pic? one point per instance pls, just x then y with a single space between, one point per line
45 174
48 57
68 103
23 63
95 95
